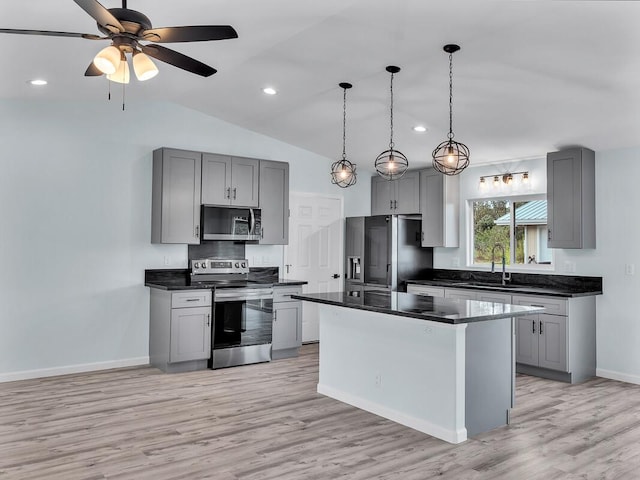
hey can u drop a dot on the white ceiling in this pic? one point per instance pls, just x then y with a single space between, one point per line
531 77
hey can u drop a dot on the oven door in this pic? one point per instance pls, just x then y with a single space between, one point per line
242 317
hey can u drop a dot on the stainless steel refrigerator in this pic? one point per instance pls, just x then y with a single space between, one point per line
382 252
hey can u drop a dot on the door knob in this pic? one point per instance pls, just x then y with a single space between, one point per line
336 275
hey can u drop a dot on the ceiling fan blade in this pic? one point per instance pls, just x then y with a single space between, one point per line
101 15
196 33
179 60
50 33
92 71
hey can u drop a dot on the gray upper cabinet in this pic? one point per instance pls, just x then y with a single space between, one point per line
175 215
571 199
440 208
274 202
400 196
229 180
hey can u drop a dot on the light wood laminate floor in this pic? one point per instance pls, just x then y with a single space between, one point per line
266 421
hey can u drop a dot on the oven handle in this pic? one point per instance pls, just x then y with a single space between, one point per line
257 294
252 227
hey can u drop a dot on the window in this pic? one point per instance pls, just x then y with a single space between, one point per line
523 236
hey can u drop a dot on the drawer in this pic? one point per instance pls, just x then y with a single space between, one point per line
425 290
191 298
552 306
283 294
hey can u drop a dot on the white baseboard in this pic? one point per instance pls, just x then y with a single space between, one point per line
66 370
622 377
451 436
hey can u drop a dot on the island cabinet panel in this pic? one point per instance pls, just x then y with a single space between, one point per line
229 180
571 199
440 208
175 208
527 348
401 196
274 202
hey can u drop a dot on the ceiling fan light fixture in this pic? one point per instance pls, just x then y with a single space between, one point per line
121 75
143 66
108 60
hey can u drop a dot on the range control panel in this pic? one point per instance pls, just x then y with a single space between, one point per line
218 265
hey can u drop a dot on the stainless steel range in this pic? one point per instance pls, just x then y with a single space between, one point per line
242 311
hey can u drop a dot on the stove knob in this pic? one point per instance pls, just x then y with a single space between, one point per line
244 264
196 265
237 265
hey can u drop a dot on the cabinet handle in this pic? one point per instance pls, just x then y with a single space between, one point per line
192 300
534 305
395 204
197 231
234 193
549 234
208 319
275 315
390 204
533 323
540 327
423 236
228 192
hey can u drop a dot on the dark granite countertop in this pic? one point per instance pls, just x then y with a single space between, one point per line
521 283
421 307
178 279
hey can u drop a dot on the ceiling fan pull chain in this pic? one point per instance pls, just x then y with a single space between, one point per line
109 95
123 89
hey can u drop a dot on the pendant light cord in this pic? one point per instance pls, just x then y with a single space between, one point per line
450 134
391 145
344 124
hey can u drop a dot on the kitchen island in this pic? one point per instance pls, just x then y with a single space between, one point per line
443 367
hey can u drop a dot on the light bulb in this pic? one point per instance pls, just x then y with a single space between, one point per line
483 184
525 177
143 67
343 173
451 157
391 164
496 182
122 74
107 60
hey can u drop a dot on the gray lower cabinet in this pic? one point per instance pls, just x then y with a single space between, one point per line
274 202
440 208
571 207
287 322
180 330
229 180
401 196
175 211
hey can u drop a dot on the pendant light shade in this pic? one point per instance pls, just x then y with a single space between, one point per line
107 60
143 66
391 164
122 74
451 157
343 172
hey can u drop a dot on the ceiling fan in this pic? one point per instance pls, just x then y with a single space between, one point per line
127 29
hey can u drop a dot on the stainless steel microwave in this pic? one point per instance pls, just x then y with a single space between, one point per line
231 223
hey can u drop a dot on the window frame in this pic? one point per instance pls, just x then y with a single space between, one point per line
512 266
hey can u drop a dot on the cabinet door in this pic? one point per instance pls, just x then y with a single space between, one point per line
439 206
382 196
176 196
287 324
460 294
407 193
190 334
274 202
216 179
527 340
571 198
245 173
553 342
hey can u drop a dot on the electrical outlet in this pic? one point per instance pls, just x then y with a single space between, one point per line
167 260
378 380
630 269
428 330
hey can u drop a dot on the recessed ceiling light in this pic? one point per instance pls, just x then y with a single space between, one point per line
269 91
38 82
420 129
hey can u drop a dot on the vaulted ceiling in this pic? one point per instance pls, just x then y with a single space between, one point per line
531 77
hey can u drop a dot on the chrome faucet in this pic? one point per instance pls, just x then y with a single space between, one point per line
506 277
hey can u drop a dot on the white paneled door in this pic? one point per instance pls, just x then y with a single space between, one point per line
315 250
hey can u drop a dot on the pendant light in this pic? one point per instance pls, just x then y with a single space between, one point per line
451 157
343 172
391 164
